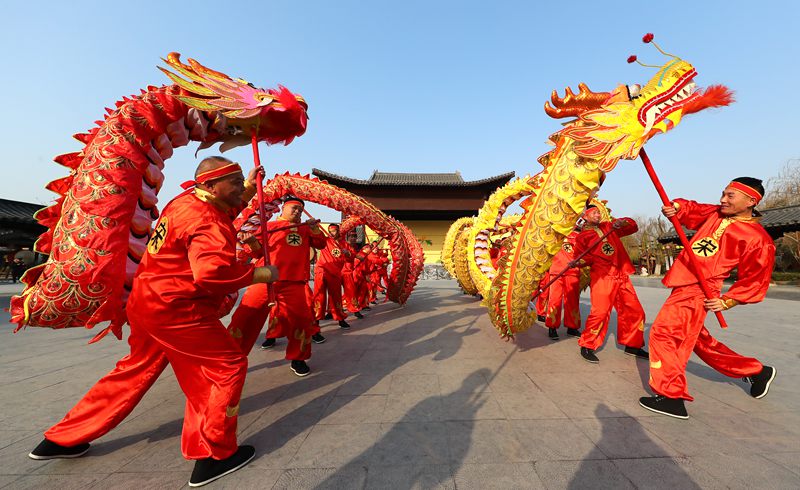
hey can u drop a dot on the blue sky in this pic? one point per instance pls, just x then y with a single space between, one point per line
412 86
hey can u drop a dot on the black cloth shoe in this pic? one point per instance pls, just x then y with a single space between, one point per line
541 318
328 316
588 354
209 469
358 315
374 301
268 344
573 332
300 368
50 450
672 407
761 382
637 352
552 333
317 338
366 308
344 324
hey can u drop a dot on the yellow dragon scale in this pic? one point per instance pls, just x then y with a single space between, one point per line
479 261
560 193
448 248
461 264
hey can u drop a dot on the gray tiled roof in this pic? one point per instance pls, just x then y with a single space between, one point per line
414 179
776 221
18 211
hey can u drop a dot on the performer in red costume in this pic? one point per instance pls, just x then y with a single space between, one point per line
350 290
361 270
728 237
610 286
373 265
328 278
541 300
291 316
383 273
184 276
566 291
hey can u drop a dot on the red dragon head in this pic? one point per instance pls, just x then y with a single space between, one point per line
278 115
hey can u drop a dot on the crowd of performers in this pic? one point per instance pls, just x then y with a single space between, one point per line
728 236
191 267
183 283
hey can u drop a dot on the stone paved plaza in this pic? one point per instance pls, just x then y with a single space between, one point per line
428 396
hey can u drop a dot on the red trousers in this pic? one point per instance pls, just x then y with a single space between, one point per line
210 369
291 317
350 296
362 289
327 286
541 300
565 291
677 332
613 290
374 282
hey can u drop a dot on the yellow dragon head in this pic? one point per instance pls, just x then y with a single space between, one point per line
615 125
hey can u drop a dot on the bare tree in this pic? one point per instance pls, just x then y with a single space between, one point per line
643 246
784 190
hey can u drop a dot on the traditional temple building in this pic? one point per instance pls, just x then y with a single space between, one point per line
427 203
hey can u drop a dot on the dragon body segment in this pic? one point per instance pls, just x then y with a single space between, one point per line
407 255
479 261
449 245
100 224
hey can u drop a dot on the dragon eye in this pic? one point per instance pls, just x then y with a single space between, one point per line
634 90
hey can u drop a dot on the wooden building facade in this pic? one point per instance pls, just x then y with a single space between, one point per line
427 203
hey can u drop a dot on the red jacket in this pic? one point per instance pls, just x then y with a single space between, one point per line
721 245
333 257
290 249
190 265
609 257
565 256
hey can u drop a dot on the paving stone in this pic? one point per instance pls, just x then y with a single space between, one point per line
497 476
62 482
248 478
275 444
474 406
413 407
746 472
151 481
335 445
427 396
666 473
322 479
554 439
532 404
790 461
416 477
411 443
354 409
483 441
623 437
589 474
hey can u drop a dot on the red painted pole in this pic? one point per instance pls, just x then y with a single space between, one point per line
261 213
693 265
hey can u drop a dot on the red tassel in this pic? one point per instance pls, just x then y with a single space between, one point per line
647 37
632 58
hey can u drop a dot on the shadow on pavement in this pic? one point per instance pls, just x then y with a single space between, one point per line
621 440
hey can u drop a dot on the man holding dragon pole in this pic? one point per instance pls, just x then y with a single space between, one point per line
188 269
729 236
